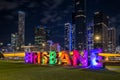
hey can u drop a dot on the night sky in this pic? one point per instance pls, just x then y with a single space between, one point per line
50 13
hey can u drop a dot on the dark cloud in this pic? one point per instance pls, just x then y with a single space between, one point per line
56 4
33 4
7 5
51 13
115 21
9 17
46 19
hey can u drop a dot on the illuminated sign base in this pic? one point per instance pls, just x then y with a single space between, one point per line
75 58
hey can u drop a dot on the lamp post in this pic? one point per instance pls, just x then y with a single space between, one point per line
43 45
97 38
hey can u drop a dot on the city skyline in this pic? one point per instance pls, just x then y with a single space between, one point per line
54 18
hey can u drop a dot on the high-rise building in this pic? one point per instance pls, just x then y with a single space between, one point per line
21 28
90 33
40 37
56 47
80 23
14 41
101 30
114 22
69 42
111 39
49 45
119 40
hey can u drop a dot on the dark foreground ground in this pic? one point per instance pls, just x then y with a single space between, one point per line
12 70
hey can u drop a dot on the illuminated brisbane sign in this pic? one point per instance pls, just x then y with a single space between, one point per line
73 58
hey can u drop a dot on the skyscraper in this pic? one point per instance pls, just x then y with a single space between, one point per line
119 40
40 37
21 28
101 30
14 41
111 39
69 42
90 44
80 23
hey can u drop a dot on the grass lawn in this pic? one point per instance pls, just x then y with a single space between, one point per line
12 70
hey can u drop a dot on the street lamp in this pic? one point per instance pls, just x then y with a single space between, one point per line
97 38
97 41
43 44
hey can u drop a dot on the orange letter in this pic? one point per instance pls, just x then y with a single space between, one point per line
39 57
65 58
45 58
